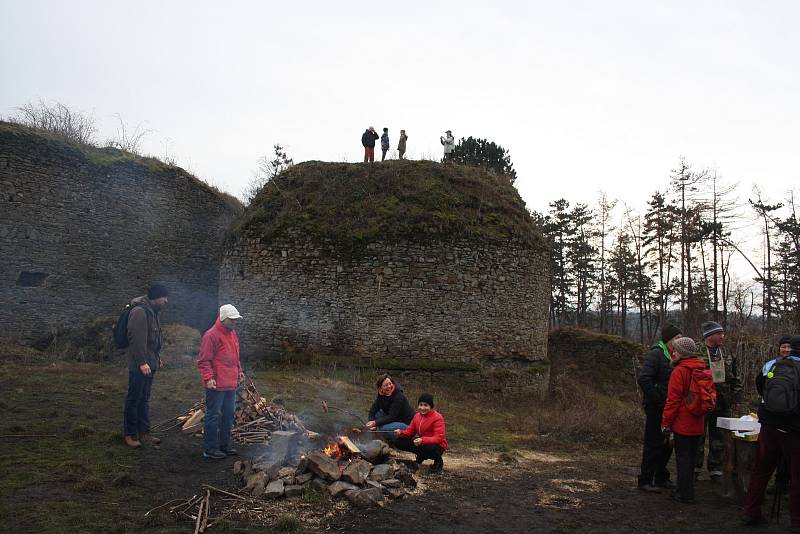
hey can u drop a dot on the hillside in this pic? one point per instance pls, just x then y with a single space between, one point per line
392 201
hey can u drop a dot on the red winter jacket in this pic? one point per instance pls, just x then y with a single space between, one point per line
429 427
219 357
676 415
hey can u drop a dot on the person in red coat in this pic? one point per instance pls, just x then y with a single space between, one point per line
685 426
221 370
429 434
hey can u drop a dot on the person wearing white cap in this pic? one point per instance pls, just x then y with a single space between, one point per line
221 370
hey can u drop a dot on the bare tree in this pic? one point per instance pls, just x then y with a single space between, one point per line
57 118
127 139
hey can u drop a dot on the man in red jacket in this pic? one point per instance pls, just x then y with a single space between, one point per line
429 433
219 365
686 427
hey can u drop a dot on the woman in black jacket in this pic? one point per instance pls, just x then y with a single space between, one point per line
391 410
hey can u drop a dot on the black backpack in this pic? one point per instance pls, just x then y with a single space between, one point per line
121 328
782 387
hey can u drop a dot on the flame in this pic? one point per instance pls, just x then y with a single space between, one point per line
335 451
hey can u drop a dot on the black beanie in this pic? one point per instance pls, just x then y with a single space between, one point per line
784 340
157 291
669 331
427 398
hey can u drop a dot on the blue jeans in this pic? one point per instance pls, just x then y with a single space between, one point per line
389 428
220 408
136 418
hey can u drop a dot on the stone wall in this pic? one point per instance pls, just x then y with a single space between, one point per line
454 302
84 230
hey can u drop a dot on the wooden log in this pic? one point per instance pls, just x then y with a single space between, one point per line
194 423
346 442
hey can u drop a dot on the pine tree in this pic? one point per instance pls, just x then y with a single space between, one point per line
486 154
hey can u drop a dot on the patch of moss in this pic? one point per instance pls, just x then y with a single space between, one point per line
348 205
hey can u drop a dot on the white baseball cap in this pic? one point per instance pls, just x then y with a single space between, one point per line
228 311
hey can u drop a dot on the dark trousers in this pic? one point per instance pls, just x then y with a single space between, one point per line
656 451
218 421
716 442
383 153
772 443
685 447
423 452
136 419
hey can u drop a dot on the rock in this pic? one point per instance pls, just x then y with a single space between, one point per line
293 491
366 497
258 478
280 444
302 479
381 472
274 489
238 466
302 466
323 467
284 472
271 469
357 472
248 468
375 484
391 483
374 451
340 486
396 493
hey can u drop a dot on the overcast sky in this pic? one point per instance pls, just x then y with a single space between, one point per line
586 95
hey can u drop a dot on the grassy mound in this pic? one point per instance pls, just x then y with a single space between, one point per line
347 205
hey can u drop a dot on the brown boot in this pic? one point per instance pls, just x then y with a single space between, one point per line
150 439
131 441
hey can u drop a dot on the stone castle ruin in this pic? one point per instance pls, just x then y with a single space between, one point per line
413 262
83 230
409 261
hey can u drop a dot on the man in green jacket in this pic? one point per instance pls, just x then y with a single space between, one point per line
724 369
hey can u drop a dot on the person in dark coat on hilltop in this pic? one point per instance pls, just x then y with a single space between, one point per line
384 143
725 371
685 426
653 380
401 145
368 139
221 371
391 410
779 387
144 347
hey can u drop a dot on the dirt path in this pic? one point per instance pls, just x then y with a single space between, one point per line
546 493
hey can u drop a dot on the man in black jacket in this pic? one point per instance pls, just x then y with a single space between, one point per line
779 435
391 410
653 379
368 139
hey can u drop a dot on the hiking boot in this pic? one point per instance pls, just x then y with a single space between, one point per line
666 484
150 439
230 452
131 441
214 454
649 488
438 465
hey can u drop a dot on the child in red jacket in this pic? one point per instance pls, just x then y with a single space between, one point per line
431 436
685 426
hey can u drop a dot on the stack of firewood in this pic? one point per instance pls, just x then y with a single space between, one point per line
254 421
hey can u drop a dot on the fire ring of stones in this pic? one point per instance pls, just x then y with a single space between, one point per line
363 473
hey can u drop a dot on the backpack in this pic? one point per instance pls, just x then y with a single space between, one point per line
781 387
120 331
702 396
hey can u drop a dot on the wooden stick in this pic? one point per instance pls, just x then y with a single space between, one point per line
205 516
160 506
199 519
207 486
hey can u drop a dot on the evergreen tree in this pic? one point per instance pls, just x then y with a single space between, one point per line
486 154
